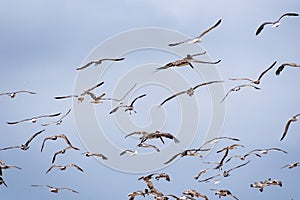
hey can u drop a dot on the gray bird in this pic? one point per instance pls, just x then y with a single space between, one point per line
13 94
98 62
55 189
59 121
34 119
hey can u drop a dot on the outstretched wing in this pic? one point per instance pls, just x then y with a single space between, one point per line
171 97
65 97
211 28
261 27
206 83
86 65
172 158
178 43
32 137
288 14
286 129
264 72
205 62
141 96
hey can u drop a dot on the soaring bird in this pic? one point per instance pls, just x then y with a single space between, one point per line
215 140
122 98
100 155
63 151
293 119
189 91
275 23
129 108
223 193
55 189
194 193
34 119
259 78
55 137
59 121
136 193
5 166
145 145
293 165
2 181
199 38
238 88
281 67
187 152
25 146
13 94
98 62
64 167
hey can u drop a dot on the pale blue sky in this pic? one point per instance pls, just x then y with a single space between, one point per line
42 42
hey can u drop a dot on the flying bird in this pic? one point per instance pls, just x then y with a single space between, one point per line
100 155
98 62
34 119
64 167
55 189
184 153
60 120
63 151
281 67
4 166
25 146
128 151
199 38
160 135
231 147
238 88
144 145
55 137
223 193
96 99
194 193
290 166
189 91
215 140
257 81
275 23
293 119
129 108
134 194
13 94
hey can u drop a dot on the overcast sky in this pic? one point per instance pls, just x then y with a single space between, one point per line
43 42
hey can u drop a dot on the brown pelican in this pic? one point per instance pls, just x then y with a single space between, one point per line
189 91
281 67
59 121
199 38
98 62
55 189
34 119
13 94
275 23
293 119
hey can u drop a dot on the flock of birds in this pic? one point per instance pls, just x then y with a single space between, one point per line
221 166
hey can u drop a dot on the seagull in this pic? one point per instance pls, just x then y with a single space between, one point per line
96 99
25 146
98 62
55 189
128 151
224 193
293 119
144 145
160 135
13 94
64 167
2 181
34 119
281 67
59 121
80 97
55 137
4 166
197 39
237 88
274 182
259 78
63 151
243 157
129 108
189 91
186 61
89 154
290 166
147 180
275 23
187 152
136 193
178 198
268 182
265 151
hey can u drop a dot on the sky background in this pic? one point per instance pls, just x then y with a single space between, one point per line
43 42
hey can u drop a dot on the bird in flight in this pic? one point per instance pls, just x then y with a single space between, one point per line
136 193
25 146
55 189
290 166
260 76
13 94
34 119
199 38
121 99
281 67
55 137
64 167
154 135
275 23
5 166
189 91
2 181
100 155
129 108
184 153
223 193
215 140
63 151
238 88
98 62
194 193
144 145
59 121
293 119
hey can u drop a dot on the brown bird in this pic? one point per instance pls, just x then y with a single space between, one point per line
187 152
160 135
224 193
147 180
144 145
80 97
194 193
259 78
98 62
293 165
281 67
199 38
189 91
89 154
275 23
55 189
96 99
293 119
237 88
179 198
136 193
129 108
64 167
34 119
25 146
163 175
2 181
13 94
63 151
59 121
55 137
4 166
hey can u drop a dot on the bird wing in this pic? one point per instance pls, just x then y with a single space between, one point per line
286 129
170 136
12 147
216 139
231 90
261 27
32 137
76 166
94 87
63 116
209 29
172 158
64 188
277 149
25 91
287 14
52 115
264 72
238 166
171 97
239 79
141 96
113 59
86 65
178 43
65 97
279 69
198 54
136 133
209 178
50 168
205 62
249 85
206 83
114 110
